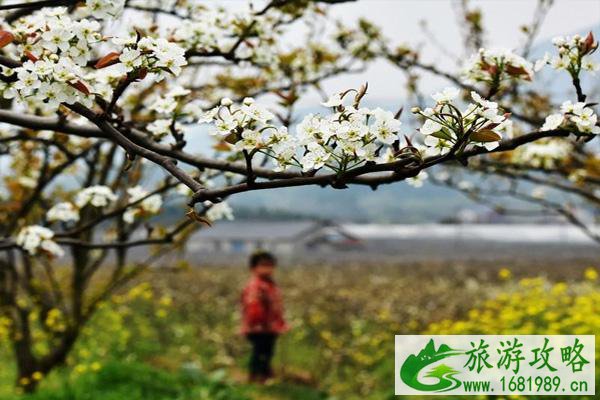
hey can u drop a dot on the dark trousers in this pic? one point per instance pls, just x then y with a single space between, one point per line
263 346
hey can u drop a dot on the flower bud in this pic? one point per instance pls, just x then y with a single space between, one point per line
226 102
415 110
248 100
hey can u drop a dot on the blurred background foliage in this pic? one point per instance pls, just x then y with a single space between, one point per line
176 337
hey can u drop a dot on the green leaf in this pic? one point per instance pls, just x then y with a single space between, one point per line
442 135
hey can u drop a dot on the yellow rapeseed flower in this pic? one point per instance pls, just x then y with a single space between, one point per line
591 274
80 368
504 274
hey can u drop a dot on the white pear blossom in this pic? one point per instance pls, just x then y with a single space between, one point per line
218 211
446 95
385 127
27 83
579 114
35 239
430 127
586 121
104 9
494 66
573 55
63 212
310 128
225 124
58 49
446 126
483 102
159 128
169 55
590 65
131 59
96 196
572 108
418 180
148 206
183 190
546 153
552 121
346 136
257 113
315 158
250 139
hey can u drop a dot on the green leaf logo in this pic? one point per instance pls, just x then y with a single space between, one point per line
409 372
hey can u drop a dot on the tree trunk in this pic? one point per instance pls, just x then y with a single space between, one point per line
27 364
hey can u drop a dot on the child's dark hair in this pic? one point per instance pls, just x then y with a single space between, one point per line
261 256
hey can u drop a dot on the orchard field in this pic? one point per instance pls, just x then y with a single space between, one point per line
176 337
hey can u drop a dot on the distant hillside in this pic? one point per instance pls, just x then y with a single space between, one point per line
392 203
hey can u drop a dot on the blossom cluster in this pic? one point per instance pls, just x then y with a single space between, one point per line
96 196
103 9
303 64
574 55
343 139
495 66
543 154
35 239
219 211
64 212
59 49
168 108
447 127
578 116
363 41
217 29
147 54
148 206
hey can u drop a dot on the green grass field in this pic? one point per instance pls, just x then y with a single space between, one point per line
174 335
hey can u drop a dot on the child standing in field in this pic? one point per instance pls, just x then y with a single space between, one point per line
262 315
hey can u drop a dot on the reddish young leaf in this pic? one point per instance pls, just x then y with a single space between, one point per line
142 72
80 86
30 56
109 59
517 71
589 44
6 38
492 69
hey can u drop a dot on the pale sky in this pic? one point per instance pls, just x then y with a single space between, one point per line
400 21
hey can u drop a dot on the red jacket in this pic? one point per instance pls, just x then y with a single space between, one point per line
262 308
